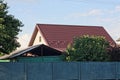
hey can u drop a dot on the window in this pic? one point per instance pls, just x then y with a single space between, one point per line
40 39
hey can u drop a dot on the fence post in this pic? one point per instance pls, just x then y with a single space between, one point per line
52 70
25 71
79 70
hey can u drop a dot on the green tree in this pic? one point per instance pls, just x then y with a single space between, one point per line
9 29
88 48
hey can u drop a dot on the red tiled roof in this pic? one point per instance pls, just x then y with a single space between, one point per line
59 36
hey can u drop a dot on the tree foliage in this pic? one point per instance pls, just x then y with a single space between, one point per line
9 29
88 48
114 53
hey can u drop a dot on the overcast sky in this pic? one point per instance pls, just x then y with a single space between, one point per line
104 13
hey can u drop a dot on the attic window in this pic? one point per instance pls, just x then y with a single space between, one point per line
40 39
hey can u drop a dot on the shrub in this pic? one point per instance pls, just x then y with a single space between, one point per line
88 48
114 53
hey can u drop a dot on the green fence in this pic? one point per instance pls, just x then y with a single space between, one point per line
39 59
4 60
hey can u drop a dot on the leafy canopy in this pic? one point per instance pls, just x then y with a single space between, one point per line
88 48
9 29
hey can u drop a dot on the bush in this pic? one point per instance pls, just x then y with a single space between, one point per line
88 48
114 53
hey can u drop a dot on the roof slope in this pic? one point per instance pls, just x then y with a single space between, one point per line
59 36
41 48
17 52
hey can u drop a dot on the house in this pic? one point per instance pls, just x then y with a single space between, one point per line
59 36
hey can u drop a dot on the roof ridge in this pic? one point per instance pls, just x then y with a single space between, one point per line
69 25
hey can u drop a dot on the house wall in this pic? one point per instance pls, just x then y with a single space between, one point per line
37 39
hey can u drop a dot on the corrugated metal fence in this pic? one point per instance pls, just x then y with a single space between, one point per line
60 71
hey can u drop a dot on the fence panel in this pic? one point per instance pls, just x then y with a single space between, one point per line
118 70
39 71
65 71
98 71
12 71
